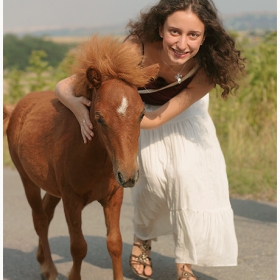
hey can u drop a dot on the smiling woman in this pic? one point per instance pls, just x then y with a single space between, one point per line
182 188
181 29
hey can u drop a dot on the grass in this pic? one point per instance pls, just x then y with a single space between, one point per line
251 161
250 156
246 127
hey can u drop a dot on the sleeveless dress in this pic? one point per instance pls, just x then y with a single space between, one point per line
183 186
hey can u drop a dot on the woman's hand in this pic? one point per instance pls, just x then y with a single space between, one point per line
81 112
77 105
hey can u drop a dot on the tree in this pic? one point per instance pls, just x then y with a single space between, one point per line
17 50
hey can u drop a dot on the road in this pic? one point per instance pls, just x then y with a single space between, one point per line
256 229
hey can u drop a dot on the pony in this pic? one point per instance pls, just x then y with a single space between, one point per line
46 146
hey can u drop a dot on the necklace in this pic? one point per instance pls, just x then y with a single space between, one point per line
178 75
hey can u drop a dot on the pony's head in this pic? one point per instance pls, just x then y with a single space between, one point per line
109 74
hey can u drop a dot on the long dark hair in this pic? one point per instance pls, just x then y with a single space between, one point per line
218 56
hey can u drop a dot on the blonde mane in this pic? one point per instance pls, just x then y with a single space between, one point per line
113 59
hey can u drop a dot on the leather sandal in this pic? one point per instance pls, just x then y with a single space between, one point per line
186 275
142 259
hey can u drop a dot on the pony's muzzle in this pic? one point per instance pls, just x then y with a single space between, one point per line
127 182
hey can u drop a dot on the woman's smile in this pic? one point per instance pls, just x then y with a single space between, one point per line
179 54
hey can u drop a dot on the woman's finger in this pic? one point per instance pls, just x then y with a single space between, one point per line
85 101
84 138
86 132
85 112
87 128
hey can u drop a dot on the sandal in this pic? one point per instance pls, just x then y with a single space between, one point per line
141 259
186 275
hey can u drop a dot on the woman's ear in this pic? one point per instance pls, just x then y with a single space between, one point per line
160 31
202 40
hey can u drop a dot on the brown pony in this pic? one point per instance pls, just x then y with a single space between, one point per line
46 147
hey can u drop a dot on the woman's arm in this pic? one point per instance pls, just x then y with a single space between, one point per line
64 92
199 87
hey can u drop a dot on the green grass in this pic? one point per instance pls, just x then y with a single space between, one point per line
251 162
245 123
250 154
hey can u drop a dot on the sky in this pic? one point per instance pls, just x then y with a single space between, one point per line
28 15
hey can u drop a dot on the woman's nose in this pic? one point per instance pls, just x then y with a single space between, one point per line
182 43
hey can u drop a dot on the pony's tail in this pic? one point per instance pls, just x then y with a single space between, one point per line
7 112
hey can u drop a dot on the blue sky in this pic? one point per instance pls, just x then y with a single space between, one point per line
40 14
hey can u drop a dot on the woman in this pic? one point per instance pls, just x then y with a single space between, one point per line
183 188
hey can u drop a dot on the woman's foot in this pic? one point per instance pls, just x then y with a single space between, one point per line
184 272
140 258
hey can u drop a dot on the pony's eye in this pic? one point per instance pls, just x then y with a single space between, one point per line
99 119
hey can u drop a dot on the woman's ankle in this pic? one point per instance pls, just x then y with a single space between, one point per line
138 240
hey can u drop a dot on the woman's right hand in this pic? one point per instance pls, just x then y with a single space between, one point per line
81 112
78 105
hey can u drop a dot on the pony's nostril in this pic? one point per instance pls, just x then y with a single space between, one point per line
120 176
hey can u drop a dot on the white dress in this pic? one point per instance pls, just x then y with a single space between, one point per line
183 189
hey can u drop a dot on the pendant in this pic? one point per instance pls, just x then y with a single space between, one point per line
178 77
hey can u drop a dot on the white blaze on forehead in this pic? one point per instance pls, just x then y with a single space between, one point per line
122 108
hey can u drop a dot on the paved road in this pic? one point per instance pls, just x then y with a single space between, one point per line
256 225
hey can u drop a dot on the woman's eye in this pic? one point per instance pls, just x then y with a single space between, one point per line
194 35
174 32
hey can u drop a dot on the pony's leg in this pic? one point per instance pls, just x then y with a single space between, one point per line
41 224
112 210
49 204
73 206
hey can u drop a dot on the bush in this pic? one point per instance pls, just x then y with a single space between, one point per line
246 125
16 51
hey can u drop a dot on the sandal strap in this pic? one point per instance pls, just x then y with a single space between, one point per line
187 275
144 246
141 259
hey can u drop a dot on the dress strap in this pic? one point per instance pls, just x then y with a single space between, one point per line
191 73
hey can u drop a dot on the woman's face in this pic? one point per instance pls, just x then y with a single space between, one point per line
182 33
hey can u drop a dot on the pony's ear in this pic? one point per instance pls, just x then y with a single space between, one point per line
94 77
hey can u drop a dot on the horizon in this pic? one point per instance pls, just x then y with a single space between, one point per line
85 13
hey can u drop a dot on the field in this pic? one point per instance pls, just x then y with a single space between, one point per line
245 123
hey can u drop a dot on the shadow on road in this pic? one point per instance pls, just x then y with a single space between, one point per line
254 210
23 265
